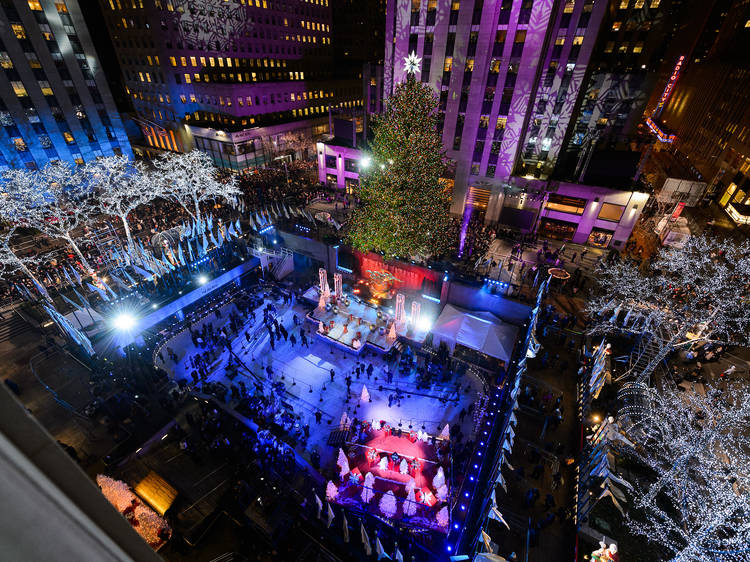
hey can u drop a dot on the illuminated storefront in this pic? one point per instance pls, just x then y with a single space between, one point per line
736 200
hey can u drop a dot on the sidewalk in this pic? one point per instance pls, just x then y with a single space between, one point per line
543 448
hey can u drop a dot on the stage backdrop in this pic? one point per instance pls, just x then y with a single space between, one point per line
411 276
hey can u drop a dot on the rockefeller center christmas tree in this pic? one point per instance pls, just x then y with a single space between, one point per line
404 210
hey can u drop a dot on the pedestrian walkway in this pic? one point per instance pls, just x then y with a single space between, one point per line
540 484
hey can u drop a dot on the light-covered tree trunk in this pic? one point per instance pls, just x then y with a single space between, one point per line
78 252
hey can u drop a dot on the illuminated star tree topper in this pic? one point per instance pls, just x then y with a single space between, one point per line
412 63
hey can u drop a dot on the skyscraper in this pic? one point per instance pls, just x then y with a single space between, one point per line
708 109
508 73
54 100
626 67
245 81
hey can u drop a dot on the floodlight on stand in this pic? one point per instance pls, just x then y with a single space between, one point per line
124 322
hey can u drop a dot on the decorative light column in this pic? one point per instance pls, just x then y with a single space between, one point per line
338 285
324 290
416 311
400 312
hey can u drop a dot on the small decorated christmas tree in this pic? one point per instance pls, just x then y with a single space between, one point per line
343 463
388 504
446 433
443 517
410 505
332 491
439 479
367 490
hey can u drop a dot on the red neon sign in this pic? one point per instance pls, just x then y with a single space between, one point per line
671 82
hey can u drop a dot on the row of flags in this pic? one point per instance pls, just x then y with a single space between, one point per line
364 537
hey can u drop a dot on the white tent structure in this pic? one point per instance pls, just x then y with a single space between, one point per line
481 331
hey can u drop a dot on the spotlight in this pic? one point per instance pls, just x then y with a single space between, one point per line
202 279
124 322
154 306
365 162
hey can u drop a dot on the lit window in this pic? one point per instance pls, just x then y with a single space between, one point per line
68 137
469 65
578 40
61 7
193 62
35 5
46 90
655 3
638 47
501 122
455 5
173 61
18 30
639 4
5 61
560 40
448 66
569 5
616 26
183 61
20 144
187 79
19 89
624 4
609 47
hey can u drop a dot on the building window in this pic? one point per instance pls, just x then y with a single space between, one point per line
563 204
457 142
469 65
18 30
448 66
611 212
624 4
68 137
654 4
475 168
35 5
18 89
638 47
20 144
330 161
5 61
616 26
491 171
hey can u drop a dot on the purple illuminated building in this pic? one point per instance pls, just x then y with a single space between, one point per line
246 81
508 73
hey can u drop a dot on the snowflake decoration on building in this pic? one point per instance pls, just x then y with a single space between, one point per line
412 63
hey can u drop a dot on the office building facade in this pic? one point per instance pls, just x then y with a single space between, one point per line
508 75
247 81
708 111
55 103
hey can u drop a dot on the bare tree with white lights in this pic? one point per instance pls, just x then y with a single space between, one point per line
67 204
698 293
122 186
191 179
696 505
